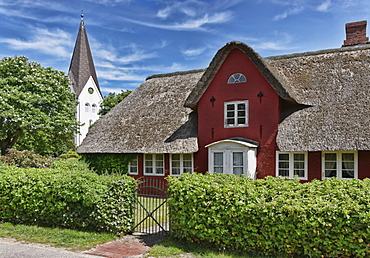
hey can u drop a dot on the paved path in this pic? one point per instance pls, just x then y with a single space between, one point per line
12 249
135 245
129 246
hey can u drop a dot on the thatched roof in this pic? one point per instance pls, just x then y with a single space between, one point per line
336 83
331 86
152 119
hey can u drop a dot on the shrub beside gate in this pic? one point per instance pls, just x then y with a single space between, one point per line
69 198
273 216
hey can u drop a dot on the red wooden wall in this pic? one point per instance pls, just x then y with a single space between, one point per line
264 112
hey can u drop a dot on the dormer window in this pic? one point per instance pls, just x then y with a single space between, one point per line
236 78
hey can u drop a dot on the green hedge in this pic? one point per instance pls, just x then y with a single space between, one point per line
70 198
273 216
108 163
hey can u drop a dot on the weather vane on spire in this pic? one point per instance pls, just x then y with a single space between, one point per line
82 14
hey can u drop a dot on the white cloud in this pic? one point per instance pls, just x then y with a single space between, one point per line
193 52
110 2
190 8
55 43
290 11
107 53
191 24
324 6
276 42
117 75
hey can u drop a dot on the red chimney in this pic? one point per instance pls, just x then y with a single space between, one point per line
355 34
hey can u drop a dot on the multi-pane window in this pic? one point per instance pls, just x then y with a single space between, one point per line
292 165
339 164
133 166
238 163
228 162
236 78
236 113
218 162
154 164
181 163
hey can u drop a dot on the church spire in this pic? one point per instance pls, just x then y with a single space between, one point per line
82 64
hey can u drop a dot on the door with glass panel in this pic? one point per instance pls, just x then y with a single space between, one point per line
229 162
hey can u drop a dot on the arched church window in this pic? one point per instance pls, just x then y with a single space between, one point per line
236 78
87 107
93 108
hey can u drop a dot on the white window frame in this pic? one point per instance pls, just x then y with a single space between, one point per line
228 166
236 117
182 166
134 163
339 164
291 165
154 164
236 78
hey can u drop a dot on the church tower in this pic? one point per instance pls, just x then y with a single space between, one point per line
85 84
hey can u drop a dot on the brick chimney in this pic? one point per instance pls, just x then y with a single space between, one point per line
355 34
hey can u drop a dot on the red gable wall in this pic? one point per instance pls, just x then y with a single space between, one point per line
263 113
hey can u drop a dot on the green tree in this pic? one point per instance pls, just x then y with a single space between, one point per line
37 108
112 100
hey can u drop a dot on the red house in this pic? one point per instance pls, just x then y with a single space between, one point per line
302 116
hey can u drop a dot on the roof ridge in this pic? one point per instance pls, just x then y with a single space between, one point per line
320 52
174 73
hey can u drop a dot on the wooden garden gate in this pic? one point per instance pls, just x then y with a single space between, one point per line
151 208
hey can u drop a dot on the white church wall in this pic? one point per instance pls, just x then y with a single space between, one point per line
87 114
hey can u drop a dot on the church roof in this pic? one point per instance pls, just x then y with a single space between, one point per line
82 64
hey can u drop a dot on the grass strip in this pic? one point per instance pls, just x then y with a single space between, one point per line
72 240
174 247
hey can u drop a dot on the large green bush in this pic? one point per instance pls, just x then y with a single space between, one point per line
70 198
273 216
108 163
25 159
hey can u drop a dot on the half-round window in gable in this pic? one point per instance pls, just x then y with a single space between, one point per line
236 78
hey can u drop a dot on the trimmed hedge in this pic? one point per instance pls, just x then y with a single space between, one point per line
74 198
108 163
273 216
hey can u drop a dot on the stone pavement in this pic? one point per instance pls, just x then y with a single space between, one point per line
135 245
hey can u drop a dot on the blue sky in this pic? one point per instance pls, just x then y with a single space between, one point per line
133 39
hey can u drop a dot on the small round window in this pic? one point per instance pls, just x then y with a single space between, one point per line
236 78
90 90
